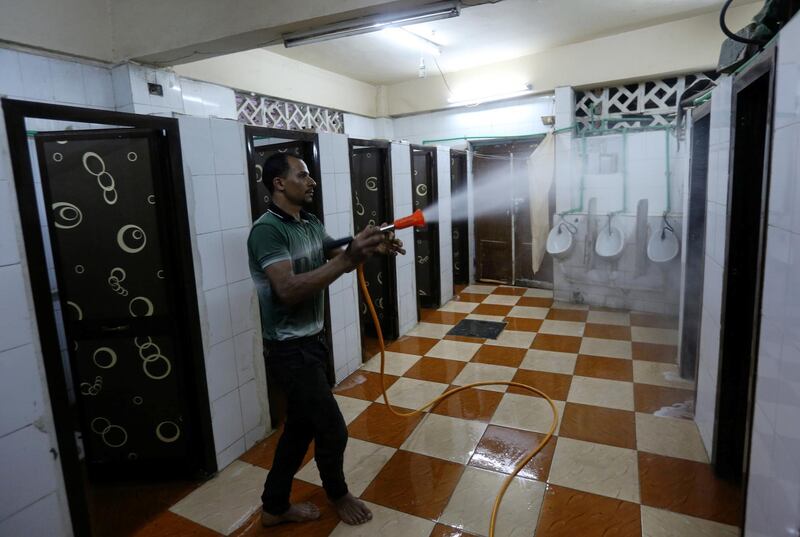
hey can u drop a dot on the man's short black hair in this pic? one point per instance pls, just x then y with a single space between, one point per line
275 166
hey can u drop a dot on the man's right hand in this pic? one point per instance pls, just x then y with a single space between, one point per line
364 245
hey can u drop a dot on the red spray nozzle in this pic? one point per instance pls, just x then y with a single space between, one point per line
416 219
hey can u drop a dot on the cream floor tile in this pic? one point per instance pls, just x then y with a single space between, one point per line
513 338
480 289
660 336
227 500
562 328
473 372
459 307
609 317
610 348
528 312
471 504
413 393
549 361
397 363
526 412
671 437
362 462
501 300
569 306
350 407
660 375
386 522
430 330
660 523
479 317
454 350
446 438
601 392
596 468
539 293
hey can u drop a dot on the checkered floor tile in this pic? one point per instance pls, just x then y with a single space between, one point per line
613 468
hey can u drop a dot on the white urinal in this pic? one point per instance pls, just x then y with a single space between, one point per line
610 242
560 242
663 245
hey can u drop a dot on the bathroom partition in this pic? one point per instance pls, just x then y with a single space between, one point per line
458 191
424 189
691 315
114 207
371 181
262 143
748 195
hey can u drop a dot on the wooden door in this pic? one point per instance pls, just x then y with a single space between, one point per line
458 189
426 240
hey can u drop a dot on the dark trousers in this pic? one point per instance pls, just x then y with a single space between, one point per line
300 368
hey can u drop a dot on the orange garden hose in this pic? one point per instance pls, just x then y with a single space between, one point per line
433 402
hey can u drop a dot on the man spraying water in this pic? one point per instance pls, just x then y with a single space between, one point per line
292 260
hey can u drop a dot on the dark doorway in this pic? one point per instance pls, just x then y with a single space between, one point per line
504 233
424 192
109 216
371 182
262 143
744 262
695 243
458 197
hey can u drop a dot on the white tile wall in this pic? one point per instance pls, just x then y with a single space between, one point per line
360 127
25 478
43 517
21 389
445 224
773 497
405 278
214 156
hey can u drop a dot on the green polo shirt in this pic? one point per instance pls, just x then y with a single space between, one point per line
277 236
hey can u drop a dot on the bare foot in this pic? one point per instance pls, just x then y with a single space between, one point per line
297 512
352 510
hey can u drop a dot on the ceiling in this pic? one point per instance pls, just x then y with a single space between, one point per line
491 33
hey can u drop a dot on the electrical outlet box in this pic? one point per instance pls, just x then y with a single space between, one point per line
155 89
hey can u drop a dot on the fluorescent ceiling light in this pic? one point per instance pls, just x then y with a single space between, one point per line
478 95
412 40
373 23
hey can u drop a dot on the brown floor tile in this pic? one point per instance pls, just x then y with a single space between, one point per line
607 331
653 320
652 352
457 288
551 342
469 404
168 524
536 302
435 370
597 424
507 356
379 425
264 451
443 317
370 346
363 385
649 398
604 368
568 315
571 513
502 448
689 488
431 480
301 492
466 339
555 385
492 309
523 325
469 297
440 530
413 345
515 291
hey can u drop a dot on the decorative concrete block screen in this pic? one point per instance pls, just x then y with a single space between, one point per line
268 112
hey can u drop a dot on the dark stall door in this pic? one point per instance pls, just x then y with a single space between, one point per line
118 291
426 239
372 206
458 187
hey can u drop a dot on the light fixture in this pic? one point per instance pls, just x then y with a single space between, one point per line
373 23
477 95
